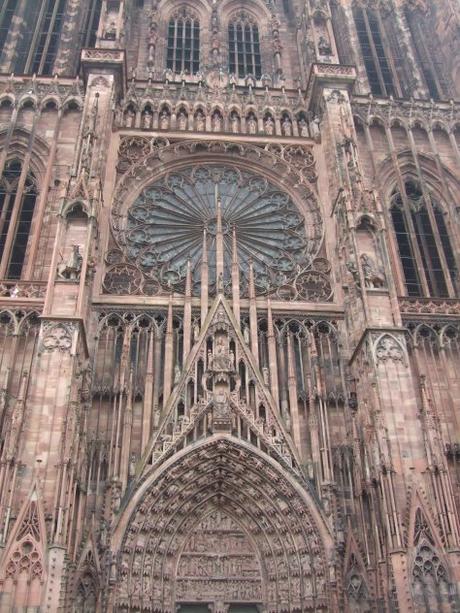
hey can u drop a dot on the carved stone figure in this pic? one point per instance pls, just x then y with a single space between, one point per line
324 46
235 123
216 122
71 269
200 122
164 119
373 276
269 126
286 126
251 124
182 120
303 128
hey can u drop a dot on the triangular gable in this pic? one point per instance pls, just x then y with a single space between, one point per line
27 542
270 432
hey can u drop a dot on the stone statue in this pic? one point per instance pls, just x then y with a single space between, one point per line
324 46
164 119
373 275
147 119
269 126
315 129
182 121
129 118
176 374
71 269
287 126
235 123
200 121
216 122
252 124
303 128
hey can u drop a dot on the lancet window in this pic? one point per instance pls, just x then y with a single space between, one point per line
40 35
244 47
92 23
378 64
17 204
183 54
424 245
6 17
425 56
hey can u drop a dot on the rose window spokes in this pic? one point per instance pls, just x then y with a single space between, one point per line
165 228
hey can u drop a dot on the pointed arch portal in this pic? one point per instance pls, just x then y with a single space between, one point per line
222 524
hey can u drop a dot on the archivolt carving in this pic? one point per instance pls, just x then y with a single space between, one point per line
219 476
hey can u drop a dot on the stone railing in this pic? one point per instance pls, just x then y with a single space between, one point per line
430 306
18 290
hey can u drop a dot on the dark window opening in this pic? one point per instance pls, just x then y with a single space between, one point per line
15 225
244 50
378 69
92 23
40 37
183 52
421 244
6 17
423 55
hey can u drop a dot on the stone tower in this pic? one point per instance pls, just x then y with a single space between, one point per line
229 306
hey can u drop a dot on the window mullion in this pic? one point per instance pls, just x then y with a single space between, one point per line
375 56
4 213
18 199
235 48
35 37
48 36
429 267
441 254
184 41
253 53
192 45
389 56
414 244
175 52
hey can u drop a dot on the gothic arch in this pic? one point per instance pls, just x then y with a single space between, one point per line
253 8
291 538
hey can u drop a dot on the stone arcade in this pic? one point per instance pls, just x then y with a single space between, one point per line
229 306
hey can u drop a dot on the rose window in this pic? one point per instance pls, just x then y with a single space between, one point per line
164 229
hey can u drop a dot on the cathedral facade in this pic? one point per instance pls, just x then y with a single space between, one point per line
229 306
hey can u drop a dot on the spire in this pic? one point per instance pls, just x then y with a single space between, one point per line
253 314
204 279
168 372
235 278
188 310
219 239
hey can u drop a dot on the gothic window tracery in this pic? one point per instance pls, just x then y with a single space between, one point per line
38 46
165 227
7 11
425 250
431 70
244 47
92 23
376 60
16 213
183 53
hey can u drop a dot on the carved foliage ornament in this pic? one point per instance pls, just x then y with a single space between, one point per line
57 337
387 349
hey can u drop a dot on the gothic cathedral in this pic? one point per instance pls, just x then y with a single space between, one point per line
229 306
